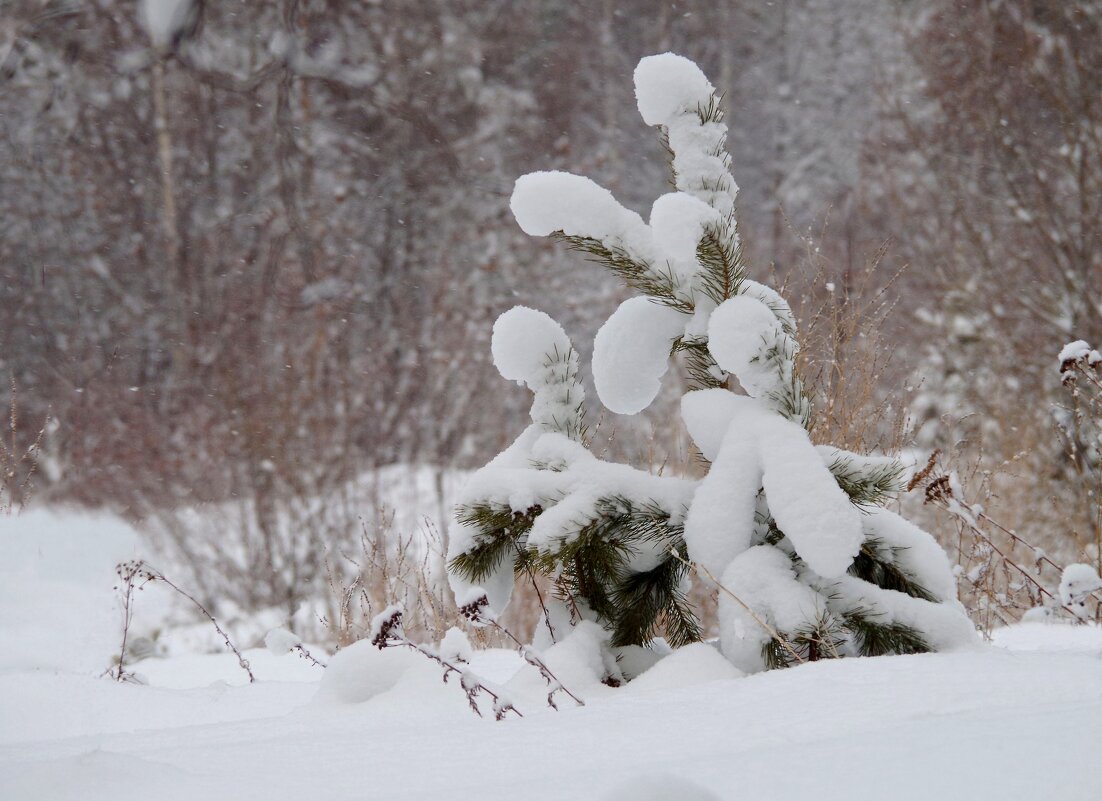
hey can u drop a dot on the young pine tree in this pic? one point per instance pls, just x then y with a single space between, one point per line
796 532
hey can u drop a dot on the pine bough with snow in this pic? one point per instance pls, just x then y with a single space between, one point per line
795 531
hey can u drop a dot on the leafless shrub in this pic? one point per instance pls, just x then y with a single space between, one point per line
1002 575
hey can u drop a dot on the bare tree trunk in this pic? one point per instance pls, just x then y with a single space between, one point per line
169 214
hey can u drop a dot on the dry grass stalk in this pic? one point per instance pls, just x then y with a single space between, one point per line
845 357
136 574
390 568
18 466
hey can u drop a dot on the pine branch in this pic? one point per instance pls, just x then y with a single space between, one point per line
789 398
643 600
640 276
878 639
720 254
699 364
558 404
594 566
876 563
501 534
869 484
822 639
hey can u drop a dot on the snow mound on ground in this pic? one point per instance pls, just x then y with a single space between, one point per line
693 664
635 660
187 671
906 717
281 641
660 787
455 647
577 661
43 706
1052 637
57 602
361 672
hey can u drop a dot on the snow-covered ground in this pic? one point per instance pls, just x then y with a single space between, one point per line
1018 719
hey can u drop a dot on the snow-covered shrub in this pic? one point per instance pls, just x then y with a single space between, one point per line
812 564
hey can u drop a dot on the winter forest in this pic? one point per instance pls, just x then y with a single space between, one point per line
429 399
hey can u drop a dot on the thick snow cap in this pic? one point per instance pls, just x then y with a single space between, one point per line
631 353
522 341
164 20
546 202
737 331
678 221
669 85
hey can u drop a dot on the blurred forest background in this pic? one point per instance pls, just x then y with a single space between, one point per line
249 259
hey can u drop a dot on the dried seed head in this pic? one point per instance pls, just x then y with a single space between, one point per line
939 490
473 609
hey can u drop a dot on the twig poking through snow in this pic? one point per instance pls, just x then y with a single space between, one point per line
475 611
386 632
282 641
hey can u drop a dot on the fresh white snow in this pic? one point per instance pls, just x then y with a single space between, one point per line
164 19
631 353
987 724
989 721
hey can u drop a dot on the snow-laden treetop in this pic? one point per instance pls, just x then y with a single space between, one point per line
668 86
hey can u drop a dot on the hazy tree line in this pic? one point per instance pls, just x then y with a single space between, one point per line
263 256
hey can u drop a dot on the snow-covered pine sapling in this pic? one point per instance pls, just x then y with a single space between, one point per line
386 632
796 530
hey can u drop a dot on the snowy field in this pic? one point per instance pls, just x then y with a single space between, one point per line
1017 719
